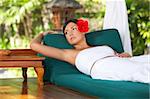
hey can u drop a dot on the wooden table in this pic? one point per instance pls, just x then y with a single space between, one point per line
24 58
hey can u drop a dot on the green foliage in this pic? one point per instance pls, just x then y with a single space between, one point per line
139 24
4 43
14 12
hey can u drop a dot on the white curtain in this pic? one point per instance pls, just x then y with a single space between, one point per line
116 17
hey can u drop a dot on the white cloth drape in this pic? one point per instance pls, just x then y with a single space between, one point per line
116 17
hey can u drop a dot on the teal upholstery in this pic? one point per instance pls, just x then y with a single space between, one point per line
64 74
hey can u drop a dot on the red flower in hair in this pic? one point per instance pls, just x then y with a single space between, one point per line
82 25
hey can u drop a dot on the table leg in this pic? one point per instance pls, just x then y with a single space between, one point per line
40 72
24 73
24 88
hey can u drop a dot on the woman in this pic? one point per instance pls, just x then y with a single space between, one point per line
100 62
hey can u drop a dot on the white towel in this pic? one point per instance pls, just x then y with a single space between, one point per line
86 57
100 62
136 69
116 17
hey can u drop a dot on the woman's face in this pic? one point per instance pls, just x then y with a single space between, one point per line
73 35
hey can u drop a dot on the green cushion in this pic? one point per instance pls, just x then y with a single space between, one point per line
64 74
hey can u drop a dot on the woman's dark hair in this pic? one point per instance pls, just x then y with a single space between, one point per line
67 22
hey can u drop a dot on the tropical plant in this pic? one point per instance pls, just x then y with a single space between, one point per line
23 18
16 18
138 12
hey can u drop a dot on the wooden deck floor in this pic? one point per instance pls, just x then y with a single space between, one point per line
17 89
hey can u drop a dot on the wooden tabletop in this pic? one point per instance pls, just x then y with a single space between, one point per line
19 58
24 58
21 54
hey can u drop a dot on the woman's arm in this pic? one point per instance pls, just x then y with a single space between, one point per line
36 45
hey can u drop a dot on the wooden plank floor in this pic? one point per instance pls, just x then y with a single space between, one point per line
17 89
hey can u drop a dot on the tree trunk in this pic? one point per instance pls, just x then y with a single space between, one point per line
45 18
27 23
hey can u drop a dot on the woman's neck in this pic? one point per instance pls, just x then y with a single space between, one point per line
81 45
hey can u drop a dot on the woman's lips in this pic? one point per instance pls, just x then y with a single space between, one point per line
72 38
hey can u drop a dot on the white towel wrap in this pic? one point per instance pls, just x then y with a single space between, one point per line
86 57
96 62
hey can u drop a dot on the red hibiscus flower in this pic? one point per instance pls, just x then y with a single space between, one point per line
82 25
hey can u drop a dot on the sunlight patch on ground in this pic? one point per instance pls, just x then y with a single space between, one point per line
11 96
7 89
15 72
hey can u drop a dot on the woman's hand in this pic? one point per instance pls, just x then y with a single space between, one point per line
39 37
123 55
